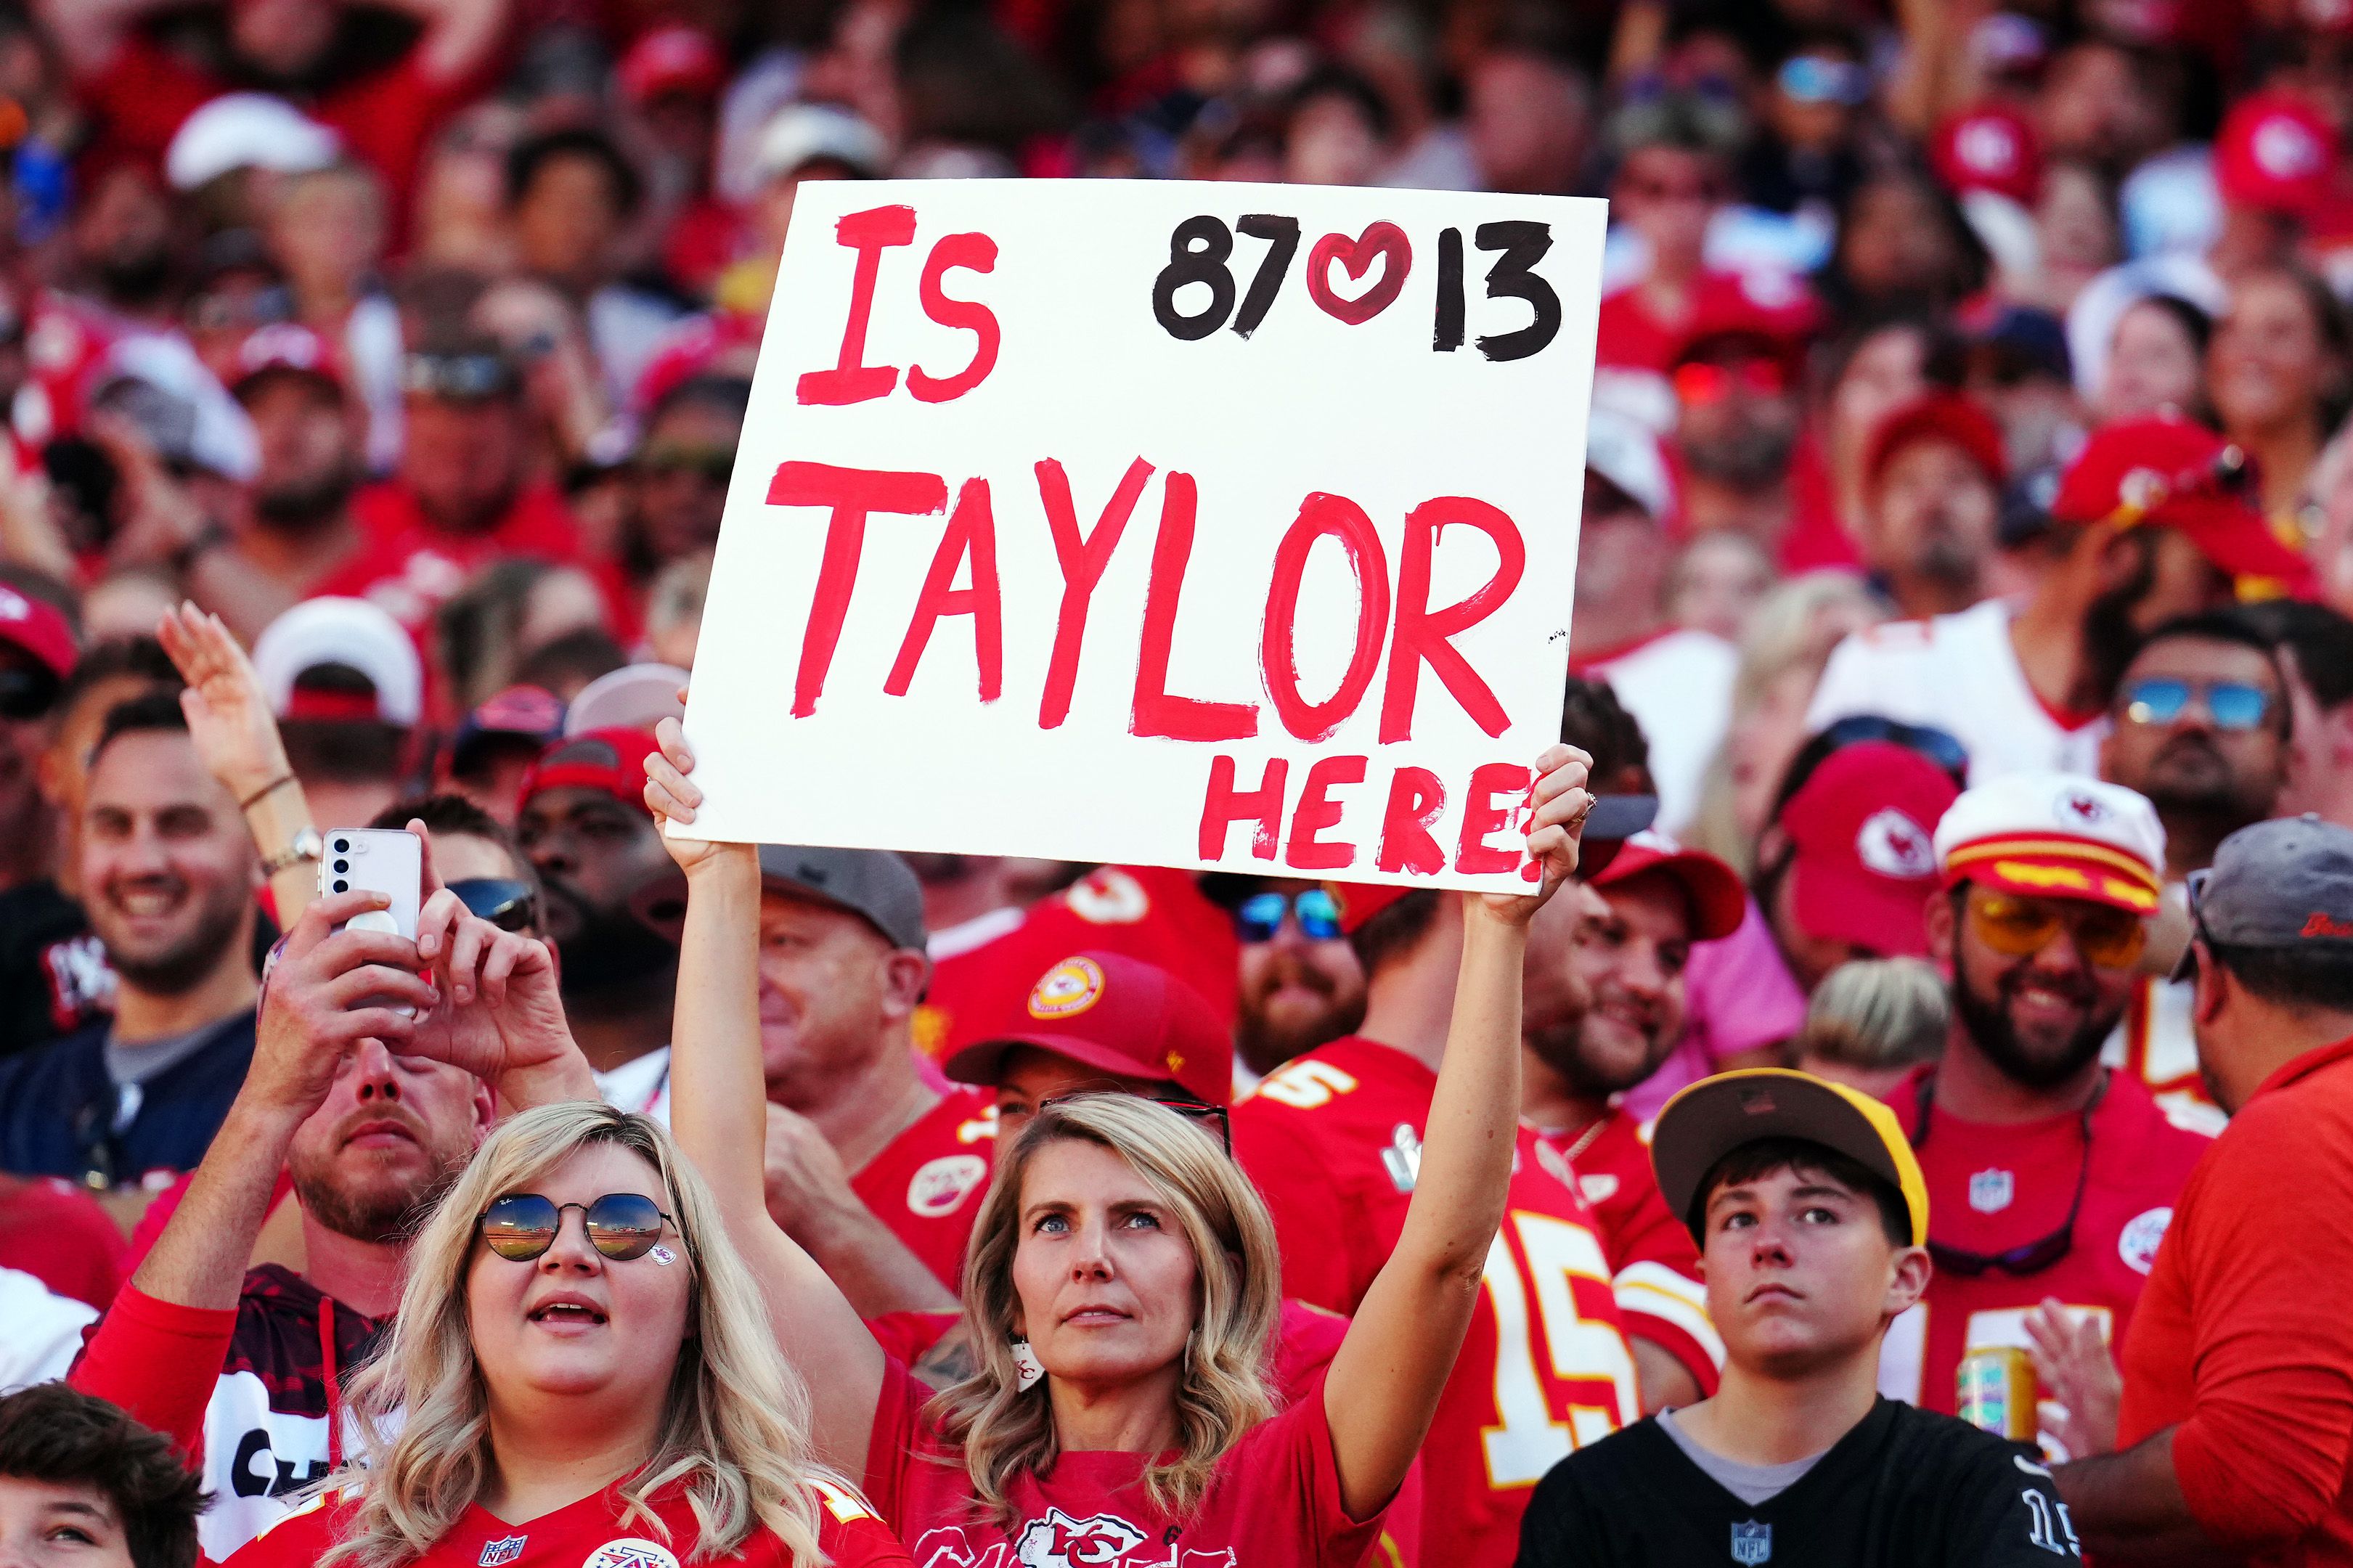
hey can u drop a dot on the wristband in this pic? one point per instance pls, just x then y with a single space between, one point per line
264 793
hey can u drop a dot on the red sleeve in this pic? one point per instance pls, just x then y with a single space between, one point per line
160 1362
1299 1442
143 94
2262 1457
1655 1273
860 1541
899 1428
1296 1181
908 1337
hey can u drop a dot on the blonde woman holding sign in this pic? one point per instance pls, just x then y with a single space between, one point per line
1122 1281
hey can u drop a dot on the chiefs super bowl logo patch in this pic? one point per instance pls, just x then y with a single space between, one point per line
1068 989
632 1553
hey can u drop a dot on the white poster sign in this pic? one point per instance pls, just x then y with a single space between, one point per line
1182 524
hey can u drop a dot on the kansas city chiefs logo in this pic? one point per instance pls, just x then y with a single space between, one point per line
1892 845
2080 808
1058 1541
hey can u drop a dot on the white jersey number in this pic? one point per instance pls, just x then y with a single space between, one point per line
1527 1442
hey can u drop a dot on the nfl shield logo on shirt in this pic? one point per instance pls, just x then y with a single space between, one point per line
1990 1191
504 1550
1752 1544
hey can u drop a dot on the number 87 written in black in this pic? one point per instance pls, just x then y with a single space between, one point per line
1201 247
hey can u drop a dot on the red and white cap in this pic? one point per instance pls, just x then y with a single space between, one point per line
2055 836
675 58
2276 153
286 346
354 633
1988 147
40 629
1863 828
2169 472
1114 1013
1718 900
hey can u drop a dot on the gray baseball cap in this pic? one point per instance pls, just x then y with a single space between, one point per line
2285 883
875 883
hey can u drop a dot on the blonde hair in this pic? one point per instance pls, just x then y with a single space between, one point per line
736 1420
1877 1013
1789 630
1005 1432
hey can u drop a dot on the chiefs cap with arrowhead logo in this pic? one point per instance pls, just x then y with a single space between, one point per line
1864 861
2055 836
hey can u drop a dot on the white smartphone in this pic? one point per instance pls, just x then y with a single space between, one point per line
387 860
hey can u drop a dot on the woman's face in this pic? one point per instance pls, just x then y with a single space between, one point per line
1105 1279
2153 365
2267 363
572 1322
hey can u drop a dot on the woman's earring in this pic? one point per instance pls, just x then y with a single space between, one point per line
1026 1368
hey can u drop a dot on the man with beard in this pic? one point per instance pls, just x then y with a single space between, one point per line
168 873
2201 728
1736 428
243 1368
1933 478
2051 1178
298 524
2151 522
1300 986
585 827
1602 1005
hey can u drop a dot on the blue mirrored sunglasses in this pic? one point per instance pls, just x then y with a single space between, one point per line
1260 915
2230 704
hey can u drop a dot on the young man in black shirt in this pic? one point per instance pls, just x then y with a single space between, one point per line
1812 1221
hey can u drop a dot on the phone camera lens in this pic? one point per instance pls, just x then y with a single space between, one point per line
343 845
343 865
343 886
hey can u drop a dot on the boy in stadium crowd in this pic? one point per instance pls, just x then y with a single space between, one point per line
83 1484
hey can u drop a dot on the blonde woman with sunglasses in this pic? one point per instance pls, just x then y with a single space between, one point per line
581 1372
1122 1281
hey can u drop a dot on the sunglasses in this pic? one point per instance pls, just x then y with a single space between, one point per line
466 378
1260 916
1702 383
2027 1257
713 465
1191 1110
2020 927
521 1227
2233 705
27 693
507 904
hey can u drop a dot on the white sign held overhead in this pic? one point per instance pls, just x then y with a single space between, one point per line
1181 525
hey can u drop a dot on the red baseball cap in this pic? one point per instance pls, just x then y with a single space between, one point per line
613 761
675 58
1718 900
1940 416
1360 902
39 629
1118 1013
2274 152
1863 828
1988 147
2172 473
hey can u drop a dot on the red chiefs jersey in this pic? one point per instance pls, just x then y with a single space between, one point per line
1333 1140
926 1185
2154 1043
1992 1187
1273 1503
1653 1262
590 1534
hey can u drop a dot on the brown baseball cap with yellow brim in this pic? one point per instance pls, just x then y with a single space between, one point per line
1717 1115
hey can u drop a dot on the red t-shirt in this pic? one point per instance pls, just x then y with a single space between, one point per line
57 1232
411 567
1653 1262
1274 1503
2243 1341
1993 1186
590 1534
1633 334
1333 1140
926 1185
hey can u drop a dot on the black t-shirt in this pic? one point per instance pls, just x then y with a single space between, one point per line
54 977
1906 1488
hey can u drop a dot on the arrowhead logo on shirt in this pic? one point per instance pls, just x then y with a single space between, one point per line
1058 1541
940 1186
1990 1192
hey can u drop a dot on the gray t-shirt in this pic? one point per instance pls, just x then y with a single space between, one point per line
151 1059
1752 1484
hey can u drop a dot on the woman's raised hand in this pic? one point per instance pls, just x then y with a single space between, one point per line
674 798
1561 802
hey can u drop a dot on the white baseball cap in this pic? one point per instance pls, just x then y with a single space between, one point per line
2056 836
634 697
246 131
349 632
801 133
1628 455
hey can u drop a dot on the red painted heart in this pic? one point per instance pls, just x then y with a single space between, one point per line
1379 240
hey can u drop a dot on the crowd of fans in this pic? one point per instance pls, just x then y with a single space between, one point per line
1938 1005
